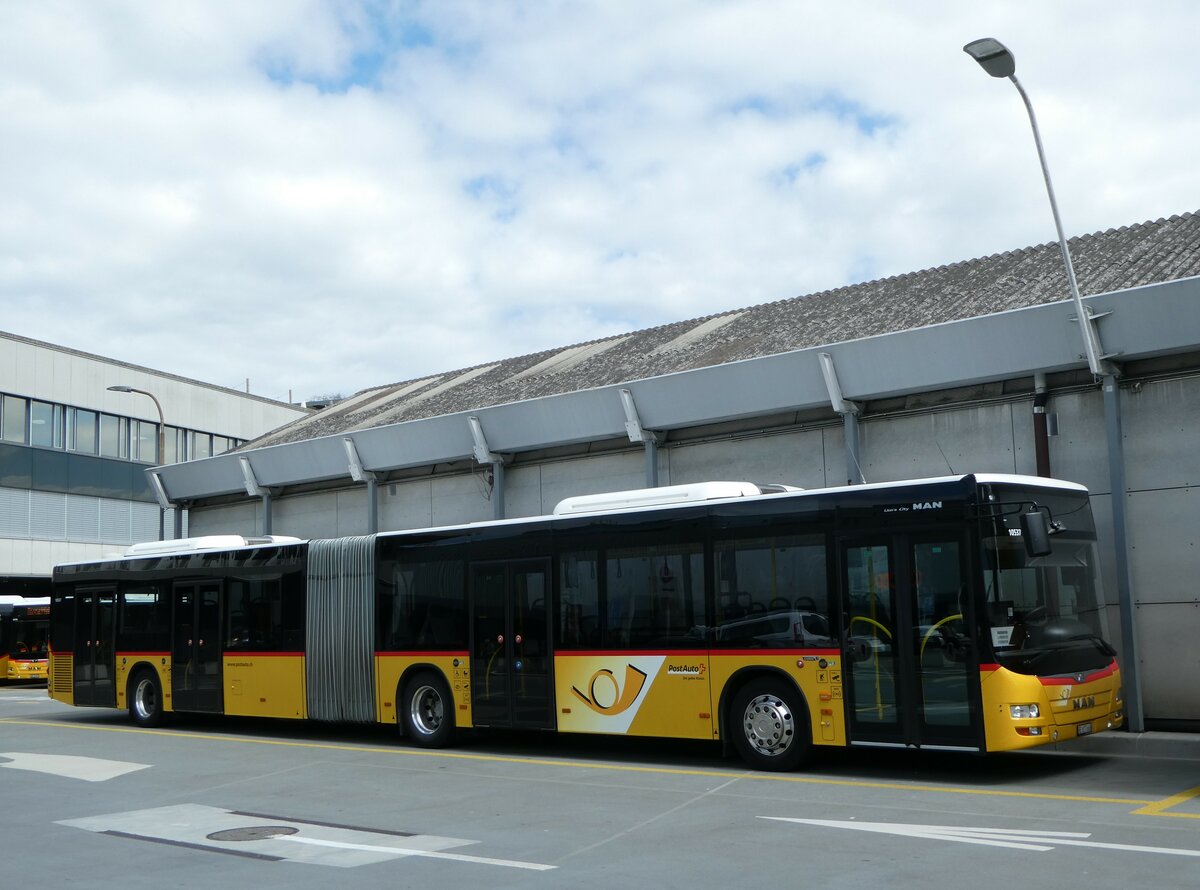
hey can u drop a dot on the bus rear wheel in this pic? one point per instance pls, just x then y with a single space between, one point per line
770 726
428 711
145 699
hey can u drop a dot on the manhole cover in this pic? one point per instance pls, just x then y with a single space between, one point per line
253 833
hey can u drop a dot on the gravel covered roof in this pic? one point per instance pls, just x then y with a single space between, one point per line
1113 260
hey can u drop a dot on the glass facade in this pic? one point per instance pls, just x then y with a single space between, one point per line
25 421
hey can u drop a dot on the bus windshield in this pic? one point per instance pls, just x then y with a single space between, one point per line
26 633
1044 614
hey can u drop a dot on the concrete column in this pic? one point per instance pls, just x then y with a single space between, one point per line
1130 666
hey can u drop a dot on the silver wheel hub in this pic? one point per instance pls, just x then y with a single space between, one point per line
769 725
144 699
426 710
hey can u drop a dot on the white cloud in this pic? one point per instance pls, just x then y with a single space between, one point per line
325 196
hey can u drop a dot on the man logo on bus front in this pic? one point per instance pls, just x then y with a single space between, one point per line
619 697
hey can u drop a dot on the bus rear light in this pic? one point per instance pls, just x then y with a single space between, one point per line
1024 712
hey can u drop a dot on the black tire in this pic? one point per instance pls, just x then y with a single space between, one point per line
770 725
145 699
427 711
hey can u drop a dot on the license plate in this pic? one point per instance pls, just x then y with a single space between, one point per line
1083 729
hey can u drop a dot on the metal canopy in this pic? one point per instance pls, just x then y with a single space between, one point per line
1142 322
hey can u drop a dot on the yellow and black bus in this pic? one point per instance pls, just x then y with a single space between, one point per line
24 633
960 613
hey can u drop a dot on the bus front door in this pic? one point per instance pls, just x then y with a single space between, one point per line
196 649
95 649
510 652
910 666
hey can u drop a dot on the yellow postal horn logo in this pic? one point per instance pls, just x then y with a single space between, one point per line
615 700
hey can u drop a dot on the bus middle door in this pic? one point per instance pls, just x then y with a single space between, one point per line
510 646
196 647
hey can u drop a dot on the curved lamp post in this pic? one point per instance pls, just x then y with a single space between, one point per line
996 59
162 443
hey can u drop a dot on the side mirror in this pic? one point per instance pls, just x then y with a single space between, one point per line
1036 533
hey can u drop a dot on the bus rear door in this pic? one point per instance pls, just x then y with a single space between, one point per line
910 664
510 647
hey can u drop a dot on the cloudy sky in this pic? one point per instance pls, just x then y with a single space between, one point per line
327 196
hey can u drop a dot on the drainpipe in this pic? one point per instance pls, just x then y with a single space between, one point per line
1041 436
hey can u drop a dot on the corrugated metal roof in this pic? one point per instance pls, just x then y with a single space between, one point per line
1114 260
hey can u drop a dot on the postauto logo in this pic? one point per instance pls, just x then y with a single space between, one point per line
604 687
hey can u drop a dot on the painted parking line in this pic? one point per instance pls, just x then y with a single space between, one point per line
280 839
1161 807
1142 805
89 769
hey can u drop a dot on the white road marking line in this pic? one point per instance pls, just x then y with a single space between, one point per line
89 769
402 851
277 837
1036 841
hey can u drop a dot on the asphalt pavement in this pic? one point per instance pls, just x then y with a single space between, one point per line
1176 745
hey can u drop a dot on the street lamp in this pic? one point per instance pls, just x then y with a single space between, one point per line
162 443
996 59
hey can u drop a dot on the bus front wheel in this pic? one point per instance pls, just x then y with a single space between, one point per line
769 724
145 699
428 711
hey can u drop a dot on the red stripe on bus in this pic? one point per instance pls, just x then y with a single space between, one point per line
1089 678
143 654
238 653
442 653
692 653
790 650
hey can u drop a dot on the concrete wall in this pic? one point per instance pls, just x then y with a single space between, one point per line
1162 470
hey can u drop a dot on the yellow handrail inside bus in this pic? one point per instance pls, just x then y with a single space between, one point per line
871 621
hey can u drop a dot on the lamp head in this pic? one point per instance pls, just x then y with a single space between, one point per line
119 388
993 56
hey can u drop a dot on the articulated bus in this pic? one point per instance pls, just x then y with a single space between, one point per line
24 632
960 613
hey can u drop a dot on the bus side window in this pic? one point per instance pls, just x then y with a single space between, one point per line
579 593
772 592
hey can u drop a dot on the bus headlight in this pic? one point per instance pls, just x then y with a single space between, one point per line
1024 712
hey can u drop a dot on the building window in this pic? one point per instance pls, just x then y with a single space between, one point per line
45 424
176 445
145 441
201 446
12 419
84 432
114 436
